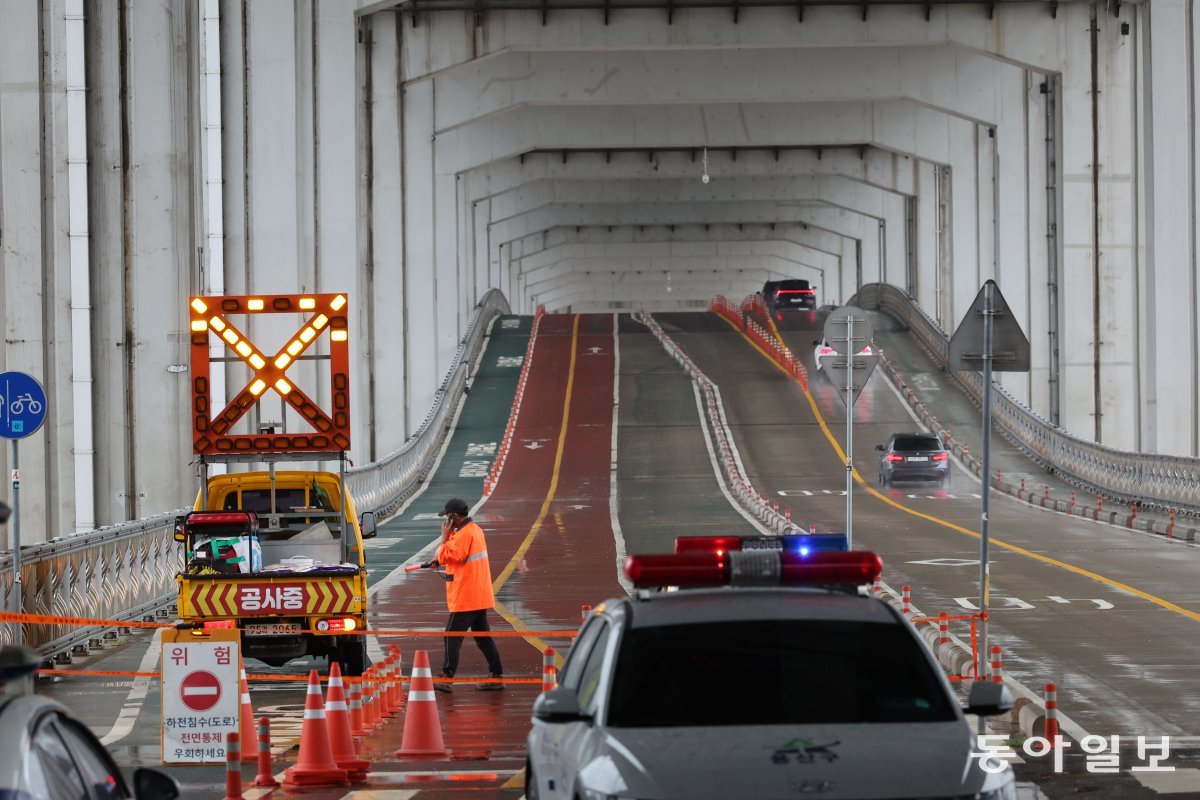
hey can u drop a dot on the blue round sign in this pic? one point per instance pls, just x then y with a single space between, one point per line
22 405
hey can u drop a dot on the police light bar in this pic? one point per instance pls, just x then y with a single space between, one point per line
753 568
802 544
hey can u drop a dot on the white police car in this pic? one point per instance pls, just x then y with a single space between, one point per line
779 680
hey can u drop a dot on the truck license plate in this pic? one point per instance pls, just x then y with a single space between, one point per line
274 629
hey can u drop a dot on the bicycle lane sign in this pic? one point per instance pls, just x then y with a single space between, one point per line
22 405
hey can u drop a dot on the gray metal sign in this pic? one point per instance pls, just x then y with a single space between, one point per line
836 327
859 367
1009 346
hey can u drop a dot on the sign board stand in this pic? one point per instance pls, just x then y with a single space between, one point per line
22 412
848 331
201 693
989 326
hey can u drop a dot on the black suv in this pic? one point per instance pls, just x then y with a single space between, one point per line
791 294
913 456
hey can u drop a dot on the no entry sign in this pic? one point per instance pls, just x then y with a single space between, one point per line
201 701
200 690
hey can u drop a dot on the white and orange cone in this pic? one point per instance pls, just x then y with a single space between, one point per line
337 724
422 728
249 734
314 766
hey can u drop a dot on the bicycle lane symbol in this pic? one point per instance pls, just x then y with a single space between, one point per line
22 405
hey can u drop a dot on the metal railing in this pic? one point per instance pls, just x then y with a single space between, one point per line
127 571
1152 481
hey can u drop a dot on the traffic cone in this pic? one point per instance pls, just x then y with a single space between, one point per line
248 732
383 689
371 716
422 728
337 725
314 765
356 716
393 684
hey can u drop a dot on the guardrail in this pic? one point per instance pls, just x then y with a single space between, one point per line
127 571
1158 482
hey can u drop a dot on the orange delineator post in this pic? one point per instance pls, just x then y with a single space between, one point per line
905 597
398 685
233 768
247 726
384 688
549 672
1051 713
356 715
997 665
264 777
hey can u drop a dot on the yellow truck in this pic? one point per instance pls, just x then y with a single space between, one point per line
280 555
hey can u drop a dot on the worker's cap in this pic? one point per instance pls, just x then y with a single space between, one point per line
455 506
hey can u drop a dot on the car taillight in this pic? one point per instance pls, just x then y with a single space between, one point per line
337 624
894 457
941 456
826 351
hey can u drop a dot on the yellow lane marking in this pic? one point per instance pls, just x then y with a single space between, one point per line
1167 604
507 572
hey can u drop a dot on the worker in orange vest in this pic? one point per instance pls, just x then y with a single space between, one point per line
463 553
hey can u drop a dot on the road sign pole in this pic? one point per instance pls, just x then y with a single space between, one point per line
17 590
984 569
850 433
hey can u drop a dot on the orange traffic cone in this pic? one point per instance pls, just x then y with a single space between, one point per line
337 724
374 719
314 766
356 716
422 728
249 734
396 683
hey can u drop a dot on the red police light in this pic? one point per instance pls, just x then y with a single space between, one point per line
712 568
853 568
685 569
707 544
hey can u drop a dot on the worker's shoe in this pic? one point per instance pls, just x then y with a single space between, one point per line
441 686
493 685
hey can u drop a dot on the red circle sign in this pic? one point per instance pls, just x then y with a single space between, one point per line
200 690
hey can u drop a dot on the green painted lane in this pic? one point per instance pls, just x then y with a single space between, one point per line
468 456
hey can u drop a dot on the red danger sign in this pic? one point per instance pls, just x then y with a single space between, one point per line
200 690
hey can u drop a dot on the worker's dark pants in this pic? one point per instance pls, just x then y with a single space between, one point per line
470 621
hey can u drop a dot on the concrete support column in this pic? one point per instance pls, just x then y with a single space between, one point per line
1169 351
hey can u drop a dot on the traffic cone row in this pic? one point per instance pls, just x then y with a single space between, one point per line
327 755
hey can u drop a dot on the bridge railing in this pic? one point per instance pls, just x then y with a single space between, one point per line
1152 481
127 571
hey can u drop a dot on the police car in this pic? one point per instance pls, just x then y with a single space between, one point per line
767 673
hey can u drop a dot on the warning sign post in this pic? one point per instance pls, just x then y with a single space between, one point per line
200 694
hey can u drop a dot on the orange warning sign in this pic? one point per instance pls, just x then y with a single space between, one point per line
212 317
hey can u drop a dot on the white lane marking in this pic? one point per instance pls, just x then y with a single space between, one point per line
613 503
137 694
712 457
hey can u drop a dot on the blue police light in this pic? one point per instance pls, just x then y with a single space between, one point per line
805 545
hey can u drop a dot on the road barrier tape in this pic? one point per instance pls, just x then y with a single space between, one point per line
90 622
108 673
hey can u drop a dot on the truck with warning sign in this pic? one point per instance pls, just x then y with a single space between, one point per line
279 552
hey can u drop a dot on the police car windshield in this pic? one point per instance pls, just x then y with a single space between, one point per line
818 671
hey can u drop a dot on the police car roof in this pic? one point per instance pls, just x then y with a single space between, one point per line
732 604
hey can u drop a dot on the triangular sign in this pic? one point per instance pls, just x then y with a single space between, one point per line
1010 348
836 367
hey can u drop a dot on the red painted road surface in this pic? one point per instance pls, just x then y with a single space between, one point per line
569 560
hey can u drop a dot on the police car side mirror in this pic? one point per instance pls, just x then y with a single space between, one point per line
149 784
988 699
367 523
558 705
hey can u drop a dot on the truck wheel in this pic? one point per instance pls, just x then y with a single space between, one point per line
353 655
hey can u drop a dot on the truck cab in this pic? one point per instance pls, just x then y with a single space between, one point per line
279 553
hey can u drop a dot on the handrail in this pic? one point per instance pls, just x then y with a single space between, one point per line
127 571
1151 481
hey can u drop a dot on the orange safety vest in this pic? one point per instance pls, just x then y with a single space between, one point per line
465 556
